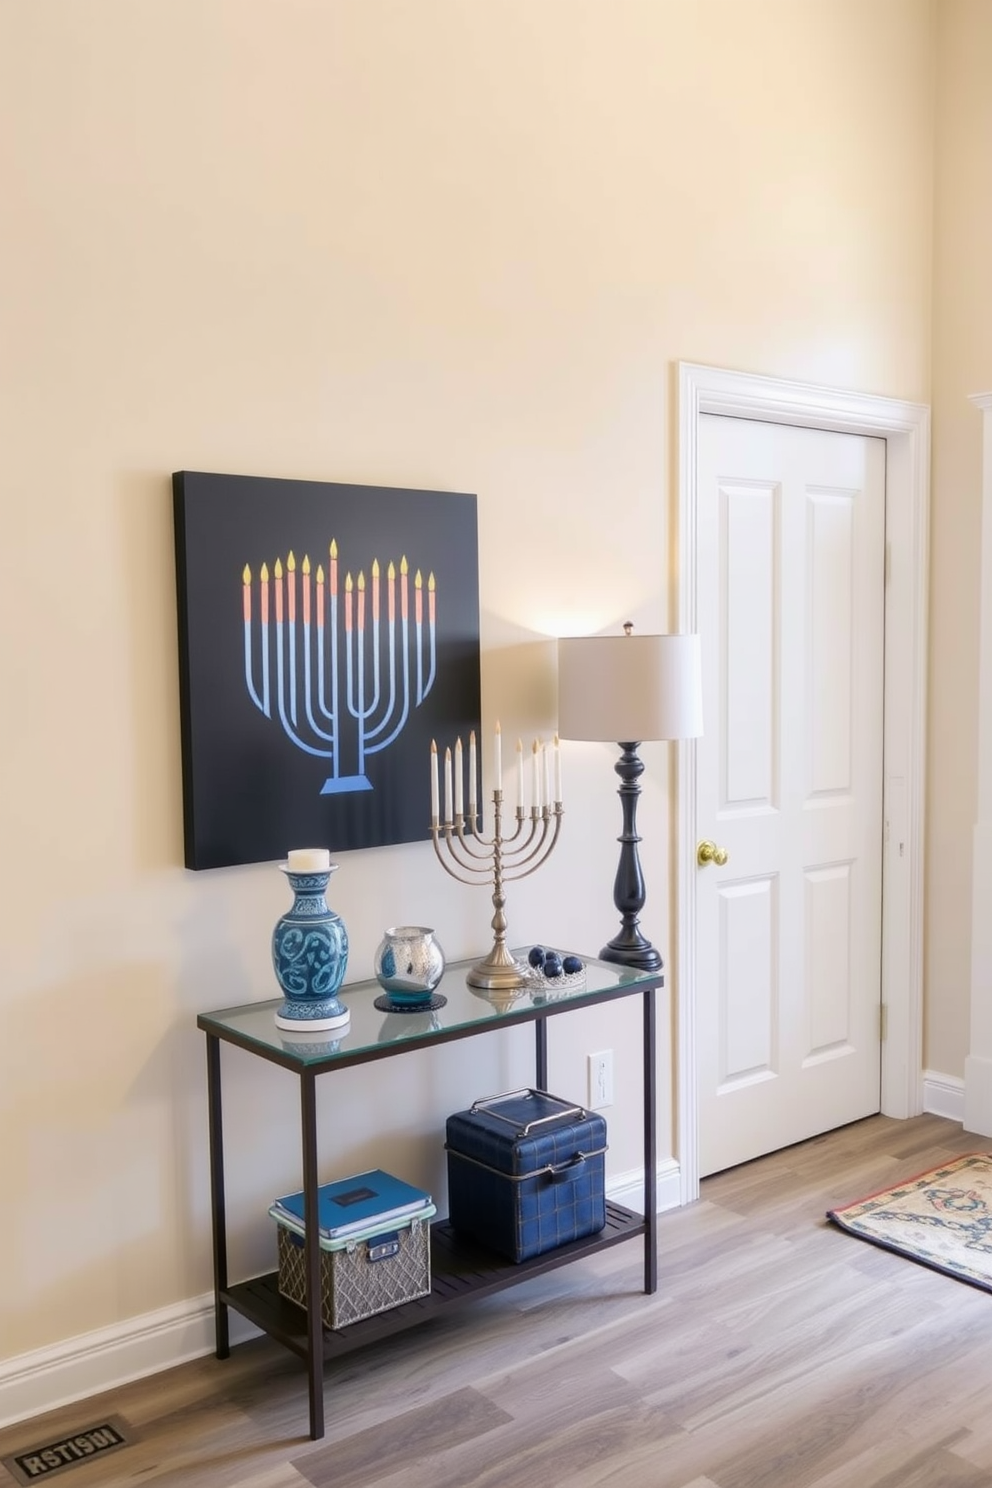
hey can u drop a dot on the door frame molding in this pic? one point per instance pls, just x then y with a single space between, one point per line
906 429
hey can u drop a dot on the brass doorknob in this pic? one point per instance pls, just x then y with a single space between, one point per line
708 852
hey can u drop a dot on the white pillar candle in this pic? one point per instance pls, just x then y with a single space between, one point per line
308 860
558 795
498 760
459 779
473 776
447 785
536 777
434 790
520 775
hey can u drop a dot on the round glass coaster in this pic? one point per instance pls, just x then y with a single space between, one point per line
385 1004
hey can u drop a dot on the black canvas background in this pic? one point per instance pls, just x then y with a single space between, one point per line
249 793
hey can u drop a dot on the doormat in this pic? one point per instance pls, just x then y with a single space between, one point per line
40 1463
942 1218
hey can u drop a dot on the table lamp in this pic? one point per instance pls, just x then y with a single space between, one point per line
626 689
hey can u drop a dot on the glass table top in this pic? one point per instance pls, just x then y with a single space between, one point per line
371 1031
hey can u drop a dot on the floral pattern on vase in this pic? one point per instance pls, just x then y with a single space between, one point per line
310 955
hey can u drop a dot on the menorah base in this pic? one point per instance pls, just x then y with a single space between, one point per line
499 972
339 785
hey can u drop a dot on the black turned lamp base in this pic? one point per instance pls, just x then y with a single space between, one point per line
636 951
629 947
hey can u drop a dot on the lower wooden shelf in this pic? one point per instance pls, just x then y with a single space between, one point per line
460 1270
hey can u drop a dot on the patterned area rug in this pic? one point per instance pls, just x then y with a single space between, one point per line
942 1219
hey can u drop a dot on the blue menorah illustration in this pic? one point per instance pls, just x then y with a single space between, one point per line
339 673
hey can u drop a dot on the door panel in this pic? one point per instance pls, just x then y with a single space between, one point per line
748 525
791 548
748 1007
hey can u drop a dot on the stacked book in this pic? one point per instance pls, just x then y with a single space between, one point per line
352 1205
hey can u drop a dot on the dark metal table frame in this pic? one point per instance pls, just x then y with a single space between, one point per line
460 1270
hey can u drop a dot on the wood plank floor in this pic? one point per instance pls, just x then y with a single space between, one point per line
777 1353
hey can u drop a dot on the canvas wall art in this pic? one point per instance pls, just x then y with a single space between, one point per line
327 632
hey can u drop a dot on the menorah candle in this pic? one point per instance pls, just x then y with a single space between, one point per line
447 784
434 789
520 775
498 760
558 795
546 752
536 778
308 860
473 768
459 772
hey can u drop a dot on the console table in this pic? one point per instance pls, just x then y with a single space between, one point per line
460 1269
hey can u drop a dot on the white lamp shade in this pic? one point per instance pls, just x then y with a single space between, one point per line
626 689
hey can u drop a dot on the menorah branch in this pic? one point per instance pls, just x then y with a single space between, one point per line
452 863
516 866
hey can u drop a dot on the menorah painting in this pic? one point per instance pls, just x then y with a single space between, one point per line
327 632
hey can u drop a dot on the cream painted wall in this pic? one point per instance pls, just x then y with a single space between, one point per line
451 244
962 364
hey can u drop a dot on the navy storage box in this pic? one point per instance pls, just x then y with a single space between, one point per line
526 1172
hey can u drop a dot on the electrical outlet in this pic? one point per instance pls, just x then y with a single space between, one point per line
600 1070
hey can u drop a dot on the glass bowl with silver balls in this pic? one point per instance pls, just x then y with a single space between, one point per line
555 970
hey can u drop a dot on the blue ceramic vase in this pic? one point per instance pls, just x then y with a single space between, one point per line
310 955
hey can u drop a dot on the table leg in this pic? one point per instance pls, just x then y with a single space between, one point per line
541 1032
218 1214
311 1244
650 1149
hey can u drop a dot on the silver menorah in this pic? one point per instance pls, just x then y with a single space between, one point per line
472 858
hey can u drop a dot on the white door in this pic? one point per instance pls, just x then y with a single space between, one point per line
791 574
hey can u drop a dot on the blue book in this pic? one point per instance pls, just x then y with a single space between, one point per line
353 1204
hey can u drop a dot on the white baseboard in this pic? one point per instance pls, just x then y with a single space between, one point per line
628 1188
943 1095
76 1368
107 1358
